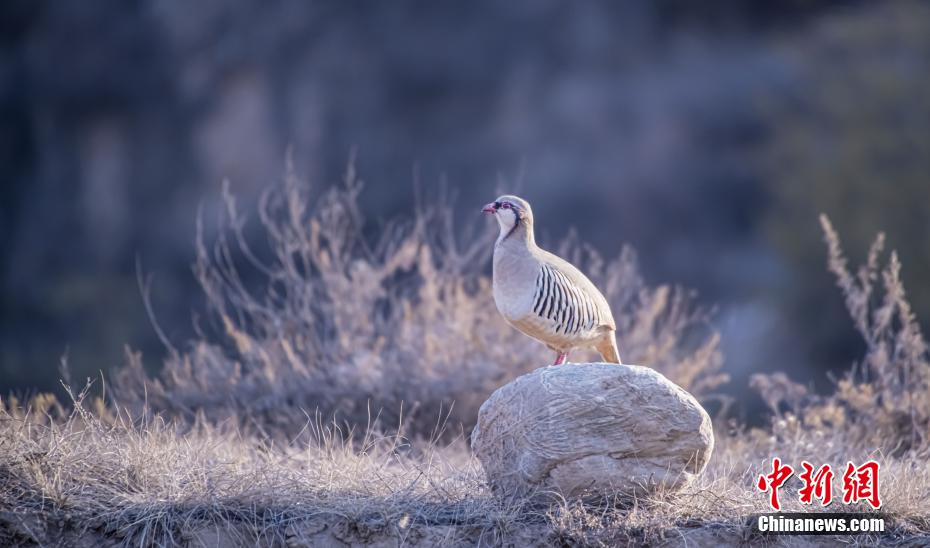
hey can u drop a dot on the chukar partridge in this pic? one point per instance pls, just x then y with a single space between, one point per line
543 295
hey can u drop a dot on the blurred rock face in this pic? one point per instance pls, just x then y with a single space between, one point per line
634 122
591 430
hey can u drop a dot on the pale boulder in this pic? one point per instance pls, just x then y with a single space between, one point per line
589 430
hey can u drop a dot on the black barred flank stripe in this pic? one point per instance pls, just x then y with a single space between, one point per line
560 302
589 312
550 290
579 310
537 297
583 324
569 303
563 310
543 291
550 298
557 290
572 309
569 309
553 312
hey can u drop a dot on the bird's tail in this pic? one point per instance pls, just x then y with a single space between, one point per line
608 348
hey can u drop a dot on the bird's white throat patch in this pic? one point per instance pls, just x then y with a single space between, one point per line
507 219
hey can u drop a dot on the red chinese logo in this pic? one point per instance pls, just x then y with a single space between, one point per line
818 485
859 484
774 481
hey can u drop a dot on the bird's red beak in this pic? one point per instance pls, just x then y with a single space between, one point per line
489 208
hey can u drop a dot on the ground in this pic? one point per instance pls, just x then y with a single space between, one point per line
85 480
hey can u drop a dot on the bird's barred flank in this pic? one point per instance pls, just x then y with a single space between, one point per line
556 298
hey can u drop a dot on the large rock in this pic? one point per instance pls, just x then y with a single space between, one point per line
587 430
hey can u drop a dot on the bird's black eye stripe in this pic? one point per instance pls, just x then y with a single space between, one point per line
497 205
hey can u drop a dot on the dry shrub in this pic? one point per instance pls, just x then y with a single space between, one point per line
327 317
883 401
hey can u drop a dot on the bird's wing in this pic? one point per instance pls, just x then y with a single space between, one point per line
566 296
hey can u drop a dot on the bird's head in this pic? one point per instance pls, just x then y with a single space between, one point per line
510 211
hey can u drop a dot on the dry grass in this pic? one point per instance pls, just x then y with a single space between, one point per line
101 477
226 445
146 482
884 400
321 317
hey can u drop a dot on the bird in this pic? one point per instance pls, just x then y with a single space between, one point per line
543 295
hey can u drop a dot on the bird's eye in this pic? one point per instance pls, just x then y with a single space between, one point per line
505 205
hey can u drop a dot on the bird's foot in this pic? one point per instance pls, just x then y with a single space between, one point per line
561 358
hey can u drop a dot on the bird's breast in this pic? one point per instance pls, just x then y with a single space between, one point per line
514 285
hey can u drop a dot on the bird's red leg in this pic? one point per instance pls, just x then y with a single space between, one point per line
560 359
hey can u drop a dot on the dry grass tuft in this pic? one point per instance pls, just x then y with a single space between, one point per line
883 402
324 318
146 482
